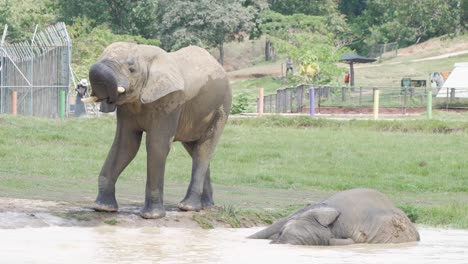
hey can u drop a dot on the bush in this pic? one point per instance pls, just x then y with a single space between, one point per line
240 104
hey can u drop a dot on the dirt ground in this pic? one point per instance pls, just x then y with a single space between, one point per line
19 213
54 209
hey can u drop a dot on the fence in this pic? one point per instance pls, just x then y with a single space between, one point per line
35 75
397 100
387 50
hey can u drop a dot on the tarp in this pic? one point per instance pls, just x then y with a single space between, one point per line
457 79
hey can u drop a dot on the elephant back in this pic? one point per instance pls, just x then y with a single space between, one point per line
368 216
198 68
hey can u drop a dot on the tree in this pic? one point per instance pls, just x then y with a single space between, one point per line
307 7
308 41
137 17
23 16
205 22
408 22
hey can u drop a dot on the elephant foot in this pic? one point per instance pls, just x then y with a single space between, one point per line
207 203
152 213
105 207
190 205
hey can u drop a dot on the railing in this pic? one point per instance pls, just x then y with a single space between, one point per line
398 100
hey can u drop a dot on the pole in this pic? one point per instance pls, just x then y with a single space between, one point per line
312 100
5 30
429 104
376 104
405 102
260 102
14 102
62 104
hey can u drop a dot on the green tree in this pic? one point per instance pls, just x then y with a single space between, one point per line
352 8
307 40
23 16
307 7
408 22
205 22
137 17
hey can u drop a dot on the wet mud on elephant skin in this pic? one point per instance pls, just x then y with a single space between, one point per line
353 216
168 96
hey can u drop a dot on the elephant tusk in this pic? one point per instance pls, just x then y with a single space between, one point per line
120 89
90 99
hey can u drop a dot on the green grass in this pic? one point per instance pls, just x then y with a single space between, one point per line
421 163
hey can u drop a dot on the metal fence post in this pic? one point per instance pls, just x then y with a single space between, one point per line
447 100
14 102
62 104
312 101
405 100
320 98
260 102
429 104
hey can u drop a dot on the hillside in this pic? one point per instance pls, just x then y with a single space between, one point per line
416 62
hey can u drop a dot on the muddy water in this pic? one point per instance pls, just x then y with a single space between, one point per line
179 245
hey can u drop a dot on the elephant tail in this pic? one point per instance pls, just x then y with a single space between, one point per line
268 232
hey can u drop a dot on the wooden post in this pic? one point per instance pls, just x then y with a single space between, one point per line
376 104
260 102
14 102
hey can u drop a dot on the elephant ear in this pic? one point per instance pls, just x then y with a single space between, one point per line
164 78
324 215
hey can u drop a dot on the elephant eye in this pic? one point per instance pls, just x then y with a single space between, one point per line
131 69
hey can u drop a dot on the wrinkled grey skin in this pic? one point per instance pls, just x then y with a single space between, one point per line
352 216
179 96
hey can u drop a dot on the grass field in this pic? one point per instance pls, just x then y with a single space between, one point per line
420 164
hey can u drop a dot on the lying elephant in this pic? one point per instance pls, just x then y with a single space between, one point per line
178 96
352 216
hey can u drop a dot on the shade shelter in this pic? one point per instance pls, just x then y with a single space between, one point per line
456 83
352 58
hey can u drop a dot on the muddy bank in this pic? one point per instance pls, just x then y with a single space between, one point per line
21 213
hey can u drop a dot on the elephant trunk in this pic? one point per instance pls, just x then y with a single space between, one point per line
270 231
104 84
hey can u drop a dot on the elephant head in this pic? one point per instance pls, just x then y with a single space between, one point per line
131 73
310 227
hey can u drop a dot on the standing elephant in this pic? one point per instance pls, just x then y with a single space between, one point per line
178 96
352 216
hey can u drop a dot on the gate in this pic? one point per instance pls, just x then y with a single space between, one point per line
35 75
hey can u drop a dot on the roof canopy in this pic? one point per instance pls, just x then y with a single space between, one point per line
353 57
457 79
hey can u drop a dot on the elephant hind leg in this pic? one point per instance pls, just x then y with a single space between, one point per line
200 192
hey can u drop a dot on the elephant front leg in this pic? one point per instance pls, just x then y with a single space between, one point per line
154 205
158 143
124 149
